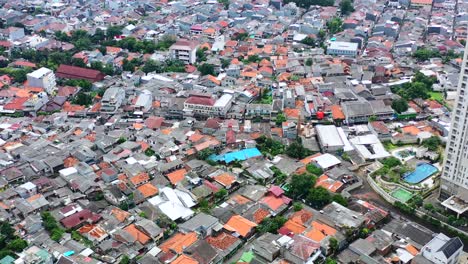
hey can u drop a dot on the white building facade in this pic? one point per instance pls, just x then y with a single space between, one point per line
455 170
43 78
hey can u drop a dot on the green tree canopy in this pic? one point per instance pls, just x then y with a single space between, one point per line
206 69
300 185
400 105
432 143
318 197
346 7
271 224
335 25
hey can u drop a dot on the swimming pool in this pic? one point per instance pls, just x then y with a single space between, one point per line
422 172
238 155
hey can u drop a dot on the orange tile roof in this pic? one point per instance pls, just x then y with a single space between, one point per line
225 179
93 230
176 176
301 217
207 144
178 242
309 159
337 113
137 234
239 199
240 225
412 250
292 112
411 130
120 214
273 202
70 162
140 178
315 235
259 215
196 137
324 228
213 79
184 259
294 227
148 190
329 184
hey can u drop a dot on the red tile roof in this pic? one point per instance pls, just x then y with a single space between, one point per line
80 217
222 241
73 72
200 100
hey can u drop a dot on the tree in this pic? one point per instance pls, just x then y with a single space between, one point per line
297 150
152 66
308 62
463 42
17 245
269 145
149 152
309 41
424 54
297 206
20 75
391 162
300 184
321 34
221 194
83 99
206 69
128 65
312 168
225 63
113 31
280 118
57 234
121 140
318 197
225 3
346 7
201 56
400 105
432 143
335 25
338 198
124 260
271 224
333 244
205 154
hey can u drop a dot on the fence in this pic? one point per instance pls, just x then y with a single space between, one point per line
380 191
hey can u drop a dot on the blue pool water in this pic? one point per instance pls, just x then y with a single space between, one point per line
237 155
422 172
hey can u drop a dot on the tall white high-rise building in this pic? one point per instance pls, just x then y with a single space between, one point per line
43 78
454 180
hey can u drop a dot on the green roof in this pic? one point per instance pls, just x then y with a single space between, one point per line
7 260
247 257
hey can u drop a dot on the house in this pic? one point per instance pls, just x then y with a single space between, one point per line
240 226
301 249
112 99
43 78
267 247
74 72
442 249
79 218
202 224
341 48
177 243
184 50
